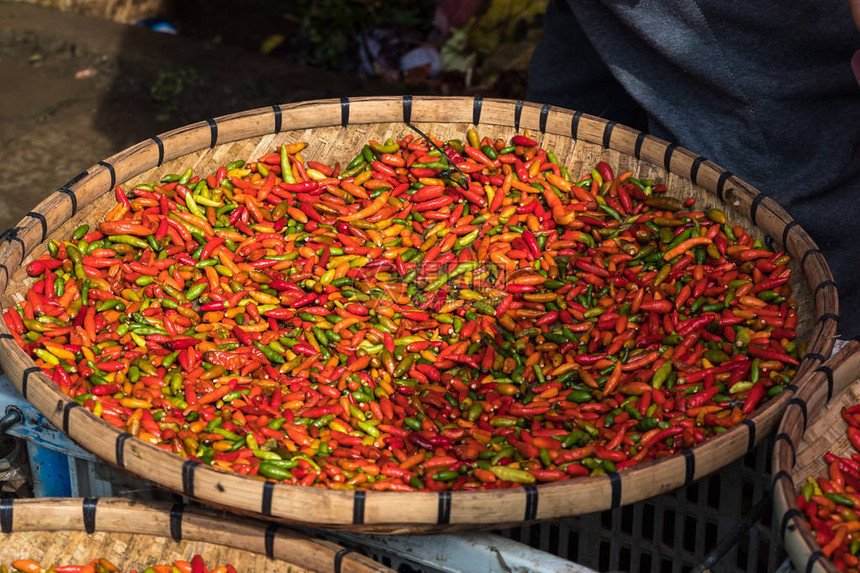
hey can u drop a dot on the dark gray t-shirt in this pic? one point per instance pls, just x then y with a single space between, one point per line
764 89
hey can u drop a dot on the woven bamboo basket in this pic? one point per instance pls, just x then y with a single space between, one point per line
133 535
811 426
336 129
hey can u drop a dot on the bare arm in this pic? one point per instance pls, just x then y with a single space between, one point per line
855 11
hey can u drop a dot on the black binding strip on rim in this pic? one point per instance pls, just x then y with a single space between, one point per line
276 110
783 437
89 508
112 172
544 112
793 512
790 387
268 490
12 235
721 183
751 425
802 403
637 148
407 109
5 270
574 124
176 521
20 241
120 448
754 207
791 225
806 254
344 111
828 372
477 105
72 197
828 316
444 517
689 466
42 220
338 559
780 475
694 169
160 145
188 477
6 506
816 555
518 112
531 502
813 356
667 155
269 538
66 409
213 132
358 507
25 379
607 133
5 336
825 283
76 178
615 483
768 241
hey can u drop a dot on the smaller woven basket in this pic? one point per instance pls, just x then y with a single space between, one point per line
134 535
811 426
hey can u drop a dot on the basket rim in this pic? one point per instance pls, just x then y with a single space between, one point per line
828 382
358 510
178 522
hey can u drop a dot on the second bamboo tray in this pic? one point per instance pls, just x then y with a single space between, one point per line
134 535
812 426
336 129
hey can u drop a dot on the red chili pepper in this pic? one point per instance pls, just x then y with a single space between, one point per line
605 171
478 156
692 324
854 437
524 141
769 354
532 244
667 433
661 306
121 198
755 395
703 397
197 565
303 187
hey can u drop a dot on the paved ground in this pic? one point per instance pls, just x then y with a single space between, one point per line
76 90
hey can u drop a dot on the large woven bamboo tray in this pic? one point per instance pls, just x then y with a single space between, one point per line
812 425
133 535
336 129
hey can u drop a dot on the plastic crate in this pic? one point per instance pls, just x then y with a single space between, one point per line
675 532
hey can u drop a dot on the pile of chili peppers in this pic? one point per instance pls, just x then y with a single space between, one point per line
435 315
101 565
831 504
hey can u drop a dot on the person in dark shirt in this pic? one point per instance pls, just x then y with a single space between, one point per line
764 89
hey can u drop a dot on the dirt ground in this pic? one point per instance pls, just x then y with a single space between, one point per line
77 90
